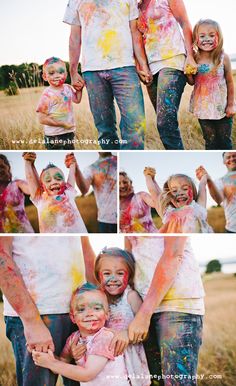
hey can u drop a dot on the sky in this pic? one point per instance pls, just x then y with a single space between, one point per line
32 31
168 163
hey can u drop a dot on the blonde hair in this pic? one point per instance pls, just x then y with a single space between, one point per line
166 196
217 51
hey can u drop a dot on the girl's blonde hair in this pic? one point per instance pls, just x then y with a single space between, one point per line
217 51
166 196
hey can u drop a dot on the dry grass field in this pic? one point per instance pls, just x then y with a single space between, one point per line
218 352
18 123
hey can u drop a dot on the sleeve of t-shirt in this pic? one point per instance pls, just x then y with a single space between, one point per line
71 15
88 174
100 344
133 10
43 105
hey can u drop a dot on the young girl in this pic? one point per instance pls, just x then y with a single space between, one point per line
55 108
98 366
212 100
114 269
13 218
181 207
54 198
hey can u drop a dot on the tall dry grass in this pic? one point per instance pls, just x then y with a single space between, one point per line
18 122
218 351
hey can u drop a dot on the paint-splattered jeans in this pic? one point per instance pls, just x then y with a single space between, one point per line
165 93
217 133
27 373
122 84
172 348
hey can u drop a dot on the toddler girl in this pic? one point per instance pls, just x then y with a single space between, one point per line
114 269
181 207
54 198
212 100
97 367
13 218
55 106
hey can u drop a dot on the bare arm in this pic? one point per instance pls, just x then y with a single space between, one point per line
31 174
82 183
71 175
202 194
155 191
230 109
74 54
139 52
214 191
12 285
89 259
23 186
163 278
46 119
134 300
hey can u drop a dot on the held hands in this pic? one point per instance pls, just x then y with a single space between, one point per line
190 66
70 159
120 342
77 82
43 359
29 156
201 172
38 336
144 74
149 171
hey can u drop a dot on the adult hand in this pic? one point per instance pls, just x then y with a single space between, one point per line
190 66
29 156
38 336
120 342
200 172
77 82
138 328
70 159
149 171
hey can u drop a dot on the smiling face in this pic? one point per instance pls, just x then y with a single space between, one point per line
113 274
125 186
55 74
5 171
230 161
90 311
53 181
207 37
181 191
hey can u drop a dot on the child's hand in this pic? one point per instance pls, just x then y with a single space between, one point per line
120 342
66 125
230 111
29 156
148 171
78 350
200 172
70 159
43 359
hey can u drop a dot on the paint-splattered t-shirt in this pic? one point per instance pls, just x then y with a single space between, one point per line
102 175
13 218
106 36
121 315
190 218
186 293
162 36
136 217
59 214
51 268
209 96
98 344
227 186
57 104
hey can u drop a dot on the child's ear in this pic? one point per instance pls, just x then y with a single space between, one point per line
45 76
72 317
107 315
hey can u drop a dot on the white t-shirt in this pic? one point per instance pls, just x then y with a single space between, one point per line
105 32
102 175
227 186
57 104
59 214
186 293
51 268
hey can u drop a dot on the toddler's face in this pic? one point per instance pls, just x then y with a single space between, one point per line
125 186
53 181
230 160
113 274
5 172
56 74
181 191
90 312
207 38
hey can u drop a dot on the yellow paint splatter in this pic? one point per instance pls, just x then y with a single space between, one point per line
77 276
109 42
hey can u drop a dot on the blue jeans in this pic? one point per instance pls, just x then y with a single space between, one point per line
106 227
172 348
27 373
122 84
217 133
165 93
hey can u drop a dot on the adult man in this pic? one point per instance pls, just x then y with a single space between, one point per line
224 190
37 277
102 176
107 33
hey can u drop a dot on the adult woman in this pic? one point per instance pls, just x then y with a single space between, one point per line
135 208
168 54
13 218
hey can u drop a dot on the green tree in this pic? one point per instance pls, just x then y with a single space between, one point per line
213 266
